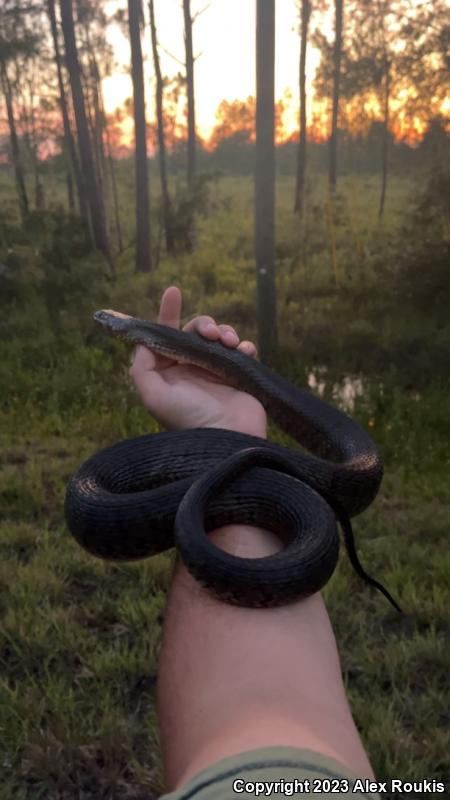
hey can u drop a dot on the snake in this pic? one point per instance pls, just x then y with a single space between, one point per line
147 494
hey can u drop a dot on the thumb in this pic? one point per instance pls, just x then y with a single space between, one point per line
142 359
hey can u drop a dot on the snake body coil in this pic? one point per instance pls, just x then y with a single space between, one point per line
144 495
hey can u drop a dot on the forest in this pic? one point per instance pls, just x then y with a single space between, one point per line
317 223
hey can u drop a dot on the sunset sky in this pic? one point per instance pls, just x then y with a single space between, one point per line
225 35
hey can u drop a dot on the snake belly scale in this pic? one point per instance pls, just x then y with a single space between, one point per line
144 495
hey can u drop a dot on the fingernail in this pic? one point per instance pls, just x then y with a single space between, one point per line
210 328
230 336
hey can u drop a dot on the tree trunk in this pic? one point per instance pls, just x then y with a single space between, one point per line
190 92
143 250
96 128
100 123
15 150
92 134
69 185
99 120
39 192
88 101
336 84
115 195
384 157
69 144
265 179
94 198
301 159
112 173
166 204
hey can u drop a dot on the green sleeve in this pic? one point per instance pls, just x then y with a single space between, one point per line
276 772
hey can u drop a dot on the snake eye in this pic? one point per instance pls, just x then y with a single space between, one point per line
100 316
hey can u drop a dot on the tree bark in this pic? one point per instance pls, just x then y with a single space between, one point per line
191 166
94 198
115 194
97 122
15 149
166 204
112 172
69 186
30 140
301 158
69 144
384 155
265 179
88 105
92 134
336 85
99 116
143 249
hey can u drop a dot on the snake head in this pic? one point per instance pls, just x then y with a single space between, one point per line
114 320
135 330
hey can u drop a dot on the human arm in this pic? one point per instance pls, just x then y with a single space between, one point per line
232 678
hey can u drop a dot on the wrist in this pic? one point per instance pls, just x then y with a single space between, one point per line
242 426
246 541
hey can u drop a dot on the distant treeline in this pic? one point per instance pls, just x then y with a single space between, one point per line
235 154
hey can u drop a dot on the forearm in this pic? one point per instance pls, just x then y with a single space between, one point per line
233 679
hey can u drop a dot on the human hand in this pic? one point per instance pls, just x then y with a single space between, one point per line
184 396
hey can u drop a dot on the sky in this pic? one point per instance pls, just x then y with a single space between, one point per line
224 36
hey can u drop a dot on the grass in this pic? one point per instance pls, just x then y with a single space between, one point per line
79 637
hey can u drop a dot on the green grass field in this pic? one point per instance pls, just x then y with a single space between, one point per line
79 637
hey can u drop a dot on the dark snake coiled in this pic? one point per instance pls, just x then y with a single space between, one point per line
144 495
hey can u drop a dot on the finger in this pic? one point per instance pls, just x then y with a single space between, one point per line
170 307
142 360
145 363
248 348
228 335
203 324
149 383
